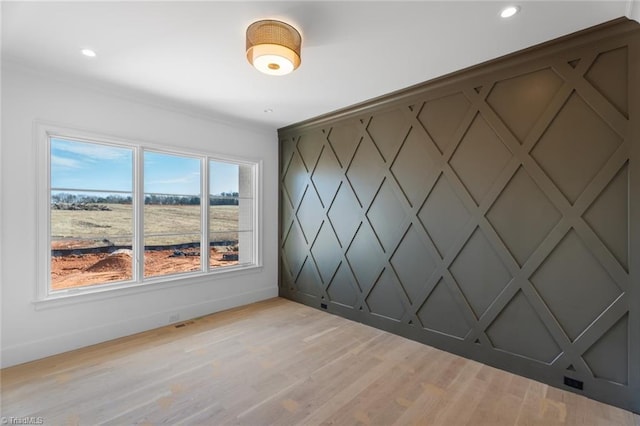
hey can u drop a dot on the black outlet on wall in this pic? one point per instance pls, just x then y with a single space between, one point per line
577 384
323 305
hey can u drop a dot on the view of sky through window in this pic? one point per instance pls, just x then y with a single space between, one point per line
171 174
95 167
90 166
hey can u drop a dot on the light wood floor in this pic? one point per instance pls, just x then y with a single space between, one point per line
279 362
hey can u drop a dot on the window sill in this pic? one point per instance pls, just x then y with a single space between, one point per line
64 298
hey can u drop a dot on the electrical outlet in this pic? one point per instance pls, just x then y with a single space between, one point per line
174 318
574 383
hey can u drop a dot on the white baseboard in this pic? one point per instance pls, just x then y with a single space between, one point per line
53 345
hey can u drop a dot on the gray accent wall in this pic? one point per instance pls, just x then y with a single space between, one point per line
493 213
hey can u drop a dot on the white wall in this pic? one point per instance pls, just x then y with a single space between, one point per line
34 331
634 10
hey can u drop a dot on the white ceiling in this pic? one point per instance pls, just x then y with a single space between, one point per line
191 54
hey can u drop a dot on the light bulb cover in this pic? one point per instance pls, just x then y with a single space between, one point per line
273 47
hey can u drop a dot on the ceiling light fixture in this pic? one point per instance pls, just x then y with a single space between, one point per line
88 52
273 47
509 11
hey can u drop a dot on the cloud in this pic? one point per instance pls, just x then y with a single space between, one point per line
63 162
90 152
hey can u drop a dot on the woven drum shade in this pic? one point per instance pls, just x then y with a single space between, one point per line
273 47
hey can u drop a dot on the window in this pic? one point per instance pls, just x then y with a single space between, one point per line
230 214
172 214
119 214
91 213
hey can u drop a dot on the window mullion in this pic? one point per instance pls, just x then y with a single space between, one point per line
44 287
204 216
138 229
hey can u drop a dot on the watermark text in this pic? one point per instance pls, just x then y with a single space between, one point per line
26 420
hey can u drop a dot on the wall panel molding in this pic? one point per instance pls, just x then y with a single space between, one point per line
492 213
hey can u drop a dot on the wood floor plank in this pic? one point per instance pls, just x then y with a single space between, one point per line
281 363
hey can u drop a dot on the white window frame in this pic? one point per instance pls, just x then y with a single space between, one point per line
43 132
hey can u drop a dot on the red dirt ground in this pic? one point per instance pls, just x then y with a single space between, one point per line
80 270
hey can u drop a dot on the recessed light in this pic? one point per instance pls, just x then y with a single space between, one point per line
89 53
509 11
268 110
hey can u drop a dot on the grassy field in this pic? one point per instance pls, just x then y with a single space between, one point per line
162 225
